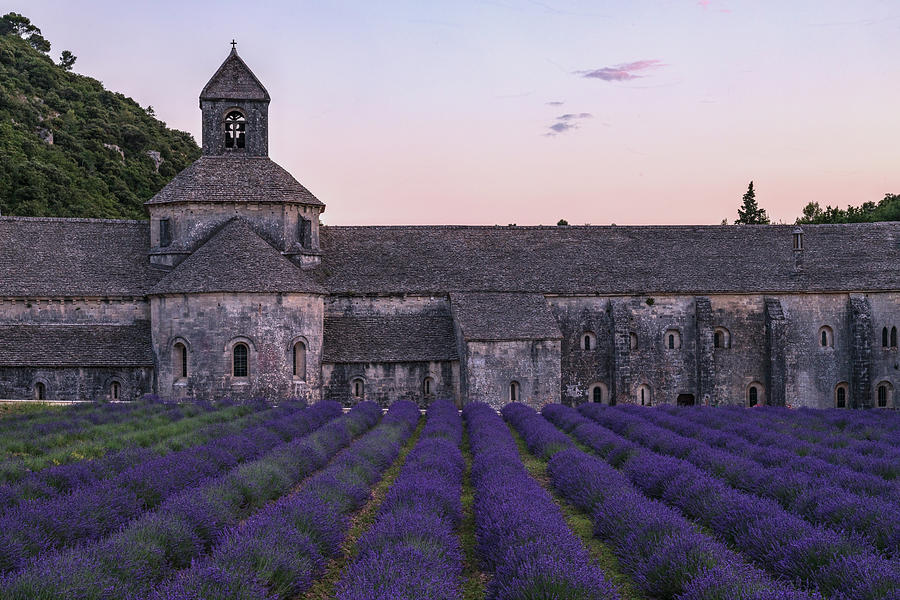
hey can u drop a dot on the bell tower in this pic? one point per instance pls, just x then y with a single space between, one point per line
235 109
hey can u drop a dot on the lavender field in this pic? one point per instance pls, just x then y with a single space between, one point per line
191 502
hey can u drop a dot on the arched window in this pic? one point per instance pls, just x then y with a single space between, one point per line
588 341
598 393
358 388
428 387
633 340
180 358
514 391
884 337
840 395
642 395
240 355
299 361
40 391
235 129
672 339
721 338
826 337
883 395
755 394
115 390
893 337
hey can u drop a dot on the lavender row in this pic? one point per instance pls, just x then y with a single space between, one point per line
413 551
881 460
839 565
34 527
521 535
760 444
664 554
282 549
65 478
815 499
154 547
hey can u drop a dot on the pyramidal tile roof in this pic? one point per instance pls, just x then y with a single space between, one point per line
234 179
236 259
234 81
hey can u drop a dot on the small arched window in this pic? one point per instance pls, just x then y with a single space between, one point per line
40 391
358 388
514 391
672 339
115 390
721 338
642 395
235 129
240 354
588 341
884 337
755 394
598 393
893 337
883 395
633 340
299 361
826 337
840 395
180 357
428 387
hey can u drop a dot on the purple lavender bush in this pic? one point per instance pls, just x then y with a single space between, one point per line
412 550
520 532
160 543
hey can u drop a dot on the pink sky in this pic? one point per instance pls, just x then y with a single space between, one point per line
528 112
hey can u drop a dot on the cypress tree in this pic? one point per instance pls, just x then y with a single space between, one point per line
750 213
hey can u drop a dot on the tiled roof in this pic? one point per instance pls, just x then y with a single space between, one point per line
389 338
234 81
74 257
86 345
236 259
234 179
610 260
504 316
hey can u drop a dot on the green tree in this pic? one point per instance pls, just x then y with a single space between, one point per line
67 60
562 223
17 24
750 213
888 209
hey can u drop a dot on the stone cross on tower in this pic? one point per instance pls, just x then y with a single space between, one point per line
233 44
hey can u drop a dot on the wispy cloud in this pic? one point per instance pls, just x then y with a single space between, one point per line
567 122
555 103
623 72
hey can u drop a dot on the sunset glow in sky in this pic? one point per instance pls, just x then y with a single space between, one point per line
527 111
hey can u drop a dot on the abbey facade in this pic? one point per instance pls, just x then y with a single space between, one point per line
233 288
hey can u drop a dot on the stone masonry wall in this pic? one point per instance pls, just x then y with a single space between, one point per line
492 366
210 324
386 383
68 384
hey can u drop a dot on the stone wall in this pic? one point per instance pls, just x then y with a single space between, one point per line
490 367
211 324
192 224
68 384
385 383
121 311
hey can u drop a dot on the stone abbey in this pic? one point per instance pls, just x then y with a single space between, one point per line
233 288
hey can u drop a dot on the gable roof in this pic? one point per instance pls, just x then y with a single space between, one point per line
610 260
234 179
42 256
502 316
388 338
236 259
83 345
234 81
